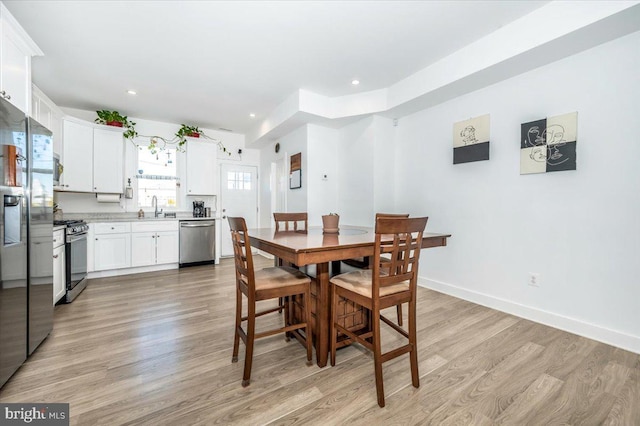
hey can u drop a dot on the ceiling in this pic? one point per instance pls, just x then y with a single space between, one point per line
211 64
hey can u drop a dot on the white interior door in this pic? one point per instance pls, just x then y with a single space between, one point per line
238 197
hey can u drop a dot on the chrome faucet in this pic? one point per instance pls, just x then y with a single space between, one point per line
154 203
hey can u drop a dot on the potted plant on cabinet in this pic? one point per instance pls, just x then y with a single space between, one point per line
114 118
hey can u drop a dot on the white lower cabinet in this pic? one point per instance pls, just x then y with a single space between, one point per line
111 246
59 278
117 245
154 243
167 247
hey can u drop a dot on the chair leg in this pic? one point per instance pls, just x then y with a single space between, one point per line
413 355
251 332
236 334
286 318
280 303
399 311
334 330
377 356
307 330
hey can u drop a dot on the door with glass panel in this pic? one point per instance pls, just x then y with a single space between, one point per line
238 197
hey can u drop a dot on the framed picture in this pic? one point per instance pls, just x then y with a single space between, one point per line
549 144
471 140
295 179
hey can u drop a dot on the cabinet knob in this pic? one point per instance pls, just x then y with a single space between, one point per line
113 227
8 97
96 239
55 256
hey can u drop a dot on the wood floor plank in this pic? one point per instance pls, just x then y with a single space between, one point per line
155 348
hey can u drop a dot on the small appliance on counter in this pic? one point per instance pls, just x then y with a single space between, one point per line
198 209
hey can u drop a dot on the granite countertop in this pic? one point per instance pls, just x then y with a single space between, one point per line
132 217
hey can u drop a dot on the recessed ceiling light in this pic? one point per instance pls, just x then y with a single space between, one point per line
252 115
355 82
132 92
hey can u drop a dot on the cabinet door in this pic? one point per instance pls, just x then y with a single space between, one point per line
41 111
108 161
59 278
78 155
15 76
167 247
143 248
112 251
201 167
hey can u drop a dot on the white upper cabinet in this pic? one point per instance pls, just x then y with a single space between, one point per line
108 161
49 115
93 157
16 50
202 167
78 155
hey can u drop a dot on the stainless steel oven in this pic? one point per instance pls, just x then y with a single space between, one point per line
76 257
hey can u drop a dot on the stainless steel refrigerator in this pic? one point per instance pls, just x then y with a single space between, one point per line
26 264
39 180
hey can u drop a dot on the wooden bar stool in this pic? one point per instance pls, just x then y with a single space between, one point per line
363 263
267 283
383 287
290 221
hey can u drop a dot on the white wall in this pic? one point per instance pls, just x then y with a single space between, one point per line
355 168
366 170
322 148
579 229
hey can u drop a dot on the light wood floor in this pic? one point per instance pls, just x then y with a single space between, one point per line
156 349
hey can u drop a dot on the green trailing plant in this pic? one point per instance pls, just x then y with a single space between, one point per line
113 118
156 143
188 131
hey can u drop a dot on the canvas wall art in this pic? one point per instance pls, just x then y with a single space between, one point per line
471 140
549 144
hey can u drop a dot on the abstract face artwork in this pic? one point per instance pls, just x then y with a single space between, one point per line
549 145
471 140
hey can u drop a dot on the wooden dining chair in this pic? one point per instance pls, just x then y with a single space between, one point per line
290 221
382 287
363 263
267 283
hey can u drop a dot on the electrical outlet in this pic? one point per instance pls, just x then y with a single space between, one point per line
534 279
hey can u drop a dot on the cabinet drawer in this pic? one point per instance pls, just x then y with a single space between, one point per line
154 226
111 227
58 238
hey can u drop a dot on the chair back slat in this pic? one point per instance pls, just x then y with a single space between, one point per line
401 238
291 221
242 252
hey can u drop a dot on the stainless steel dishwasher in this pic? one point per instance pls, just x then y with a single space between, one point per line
197 242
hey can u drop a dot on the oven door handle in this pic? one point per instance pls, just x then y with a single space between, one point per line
76 237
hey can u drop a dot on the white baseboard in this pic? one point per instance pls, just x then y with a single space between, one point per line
571 325
127 271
